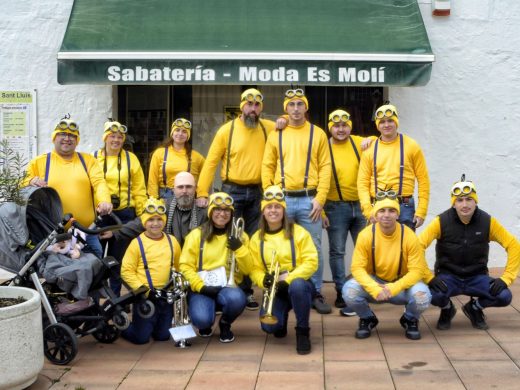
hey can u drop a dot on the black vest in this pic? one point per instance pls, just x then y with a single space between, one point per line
463 250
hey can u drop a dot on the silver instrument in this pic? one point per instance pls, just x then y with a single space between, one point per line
237 230
177 295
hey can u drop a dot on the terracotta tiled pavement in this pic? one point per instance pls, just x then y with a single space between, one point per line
460 358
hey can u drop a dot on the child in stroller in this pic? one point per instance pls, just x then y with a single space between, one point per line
26 231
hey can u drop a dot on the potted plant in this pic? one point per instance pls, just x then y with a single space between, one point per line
21 336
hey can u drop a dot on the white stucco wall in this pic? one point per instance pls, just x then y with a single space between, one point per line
31 33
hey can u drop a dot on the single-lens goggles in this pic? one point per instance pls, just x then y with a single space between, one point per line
153 209
252 98
222 201
290 93
269 195
66 124
339 118
390 194
463 189
387 113
182 123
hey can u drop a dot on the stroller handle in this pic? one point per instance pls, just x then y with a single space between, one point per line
94 230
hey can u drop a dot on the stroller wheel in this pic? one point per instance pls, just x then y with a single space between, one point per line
146 309
107 335
60 344
121 320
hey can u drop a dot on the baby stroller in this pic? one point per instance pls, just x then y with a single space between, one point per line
25 234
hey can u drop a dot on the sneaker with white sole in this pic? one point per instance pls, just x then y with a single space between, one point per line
251 303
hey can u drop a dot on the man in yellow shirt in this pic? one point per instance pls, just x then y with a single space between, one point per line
387 266
463 233
298 160
239 145
77 177
394 162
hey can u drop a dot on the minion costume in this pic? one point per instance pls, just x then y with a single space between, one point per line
149 262
199 255
298 160
462 255
298 261
395 260
398 163
167 162
125 180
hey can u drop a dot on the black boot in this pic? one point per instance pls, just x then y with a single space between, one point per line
339 303
303 342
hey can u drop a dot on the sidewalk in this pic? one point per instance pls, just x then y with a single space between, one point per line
461 358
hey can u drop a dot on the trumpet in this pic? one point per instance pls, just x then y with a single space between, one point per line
269 294
237 230
181 324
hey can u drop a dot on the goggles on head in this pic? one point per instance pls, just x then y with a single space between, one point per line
222 201
181 122
155 209
253 97
386 113
116 128
291 93
68 124
276 195
463 188
390 194
339 118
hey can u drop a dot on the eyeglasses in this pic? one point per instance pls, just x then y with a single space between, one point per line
390 194
67 135
66 124
155 209
222 201
182 123
339 118
462 189
250 97
387 113
270 195
290 93
115 128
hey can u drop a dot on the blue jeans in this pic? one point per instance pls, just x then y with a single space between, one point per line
158 326
474 286
407 213
94 245
344 217
415 303
298 210
299 299
201 308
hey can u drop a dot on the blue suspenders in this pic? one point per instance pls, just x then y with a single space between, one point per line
401 165
334 172
307 164
145 263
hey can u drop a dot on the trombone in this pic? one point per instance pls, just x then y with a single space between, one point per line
237 230
269 294
181 324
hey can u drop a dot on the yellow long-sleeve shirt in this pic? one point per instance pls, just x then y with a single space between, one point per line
215 254
497 233
73 184
158 257
306 255
387 258
245 155
114 176
347 167
177 161
295 144
388 162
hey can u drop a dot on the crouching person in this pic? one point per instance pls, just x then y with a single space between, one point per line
205 264
387 266
279 242
149 261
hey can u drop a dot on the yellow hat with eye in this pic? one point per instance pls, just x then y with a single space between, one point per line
339 116
220 200
273 194
112 127
68 126
294 94
153 207
462 189
387 111
386 203
181 124
251 95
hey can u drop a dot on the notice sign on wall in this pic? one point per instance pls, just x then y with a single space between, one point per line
18 121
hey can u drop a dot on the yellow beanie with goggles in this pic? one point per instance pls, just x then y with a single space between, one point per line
463 189
251 95
153 207
186 125
340 114
387 111
273 194
220 200
68 130
111 124
386 203
287 100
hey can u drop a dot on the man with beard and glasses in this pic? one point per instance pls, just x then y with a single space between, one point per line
239 144
181 212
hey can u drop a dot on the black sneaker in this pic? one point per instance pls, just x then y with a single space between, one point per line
339 302
251 304
207 332
365 327
319 304
475 315
444 322
226 335
347 312
411 328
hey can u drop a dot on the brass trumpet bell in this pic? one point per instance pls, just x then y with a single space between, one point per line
268 319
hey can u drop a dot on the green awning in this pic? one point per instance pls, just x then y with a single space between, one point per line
305 42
